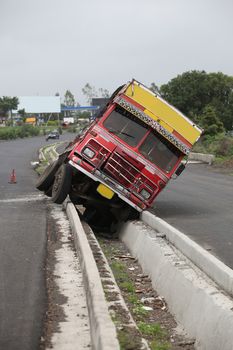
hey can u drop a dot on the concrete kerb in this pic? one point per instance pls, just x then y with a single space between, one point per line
214 268
103 332
196 302
202 157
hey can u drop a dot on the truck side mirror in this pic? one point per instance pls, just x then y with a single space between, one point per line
180 169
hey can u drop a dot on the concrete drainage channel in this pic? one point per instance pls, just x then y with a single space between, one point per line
197 287
199 304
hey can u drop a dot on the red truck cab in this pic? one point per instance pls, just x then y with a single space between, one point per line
125 158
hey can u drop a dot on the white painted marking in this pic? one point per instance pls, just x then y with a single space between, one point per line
30 198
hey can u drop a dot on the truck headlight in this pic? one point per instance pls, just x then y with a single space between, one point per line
88 152
145 194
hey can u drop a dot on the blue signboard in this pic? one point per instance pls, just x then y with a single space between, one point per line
78 108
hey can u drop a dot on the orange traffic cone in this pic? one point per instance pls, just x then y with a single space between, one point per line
13 177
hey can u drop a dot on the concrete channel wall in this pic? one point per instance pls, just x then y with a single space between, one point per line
203 309
178 268
198 304
102 329
208 263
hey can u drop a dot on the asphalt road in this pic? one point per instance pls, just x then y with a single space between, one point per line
22 246
200 204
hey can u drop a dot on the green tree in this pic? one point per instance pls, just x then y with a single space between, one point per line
7 104
192 91
188 92
22 114
210 121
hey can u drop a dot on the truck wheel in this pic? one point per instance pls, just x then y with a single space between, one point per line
46 179
62 183
48 193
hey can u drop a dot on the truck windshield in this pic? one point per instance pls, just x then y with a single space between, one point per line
160 151
127 127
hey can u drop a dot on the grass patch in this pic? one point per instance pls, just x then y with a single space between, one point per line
155 345
155 332
133 299
139 311
127 286
41 168
153 329
127 341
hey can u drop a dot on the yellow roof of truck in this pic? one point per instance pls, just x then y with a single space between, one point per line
168 117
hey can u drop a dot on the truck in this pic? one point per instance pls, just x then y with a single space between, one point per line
117 166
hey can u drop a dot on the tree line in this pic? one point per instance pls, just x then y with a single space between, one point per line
207 98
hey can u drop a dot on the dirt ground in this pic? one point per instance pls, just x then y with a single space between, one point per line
148 309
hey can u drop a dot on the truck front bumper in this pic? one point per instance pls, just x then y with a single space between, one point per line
98 176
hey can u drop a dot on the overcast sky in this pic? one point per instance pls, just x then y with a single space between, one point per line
49 46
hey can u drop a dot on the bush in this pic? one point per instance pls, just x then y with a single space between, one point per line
219 145
225 147
52 123
10 133
73 129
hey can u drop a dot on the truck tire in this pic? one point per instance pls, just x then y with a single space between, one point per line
46 179
48 193
62 183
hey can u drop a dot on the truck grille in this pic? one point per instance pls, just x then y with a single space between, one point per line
121 170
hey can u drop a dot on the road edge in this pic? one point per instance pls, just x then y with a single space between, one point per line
103 331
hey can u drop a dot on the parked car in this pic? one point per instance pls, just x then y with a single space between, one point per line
53 135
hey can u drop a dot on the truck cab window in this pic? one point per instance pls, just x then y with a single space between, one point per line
125 126
160 151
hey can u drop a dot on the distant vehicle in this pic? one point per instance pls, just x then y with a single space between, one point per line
117 165
68 120
53 135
